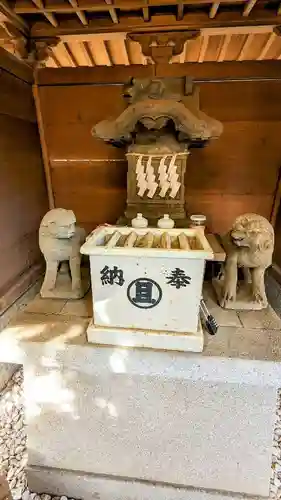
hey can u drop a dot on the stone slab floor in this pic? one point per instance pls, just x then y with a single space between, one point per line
258 335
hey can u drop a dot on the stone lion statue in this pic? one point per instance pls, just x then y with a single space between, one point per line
250 244
60 241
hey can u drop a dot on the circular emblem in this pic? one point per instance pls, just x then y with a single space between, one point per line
144 293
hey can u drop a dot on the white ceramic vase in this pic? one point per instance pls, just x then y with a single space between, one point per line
166 222
139 221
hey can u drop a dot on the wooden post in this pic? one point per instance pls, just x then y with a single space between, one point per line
43 146
276 201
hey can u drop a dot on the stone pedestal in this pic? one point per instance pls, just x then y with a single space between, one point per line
110 423
94 414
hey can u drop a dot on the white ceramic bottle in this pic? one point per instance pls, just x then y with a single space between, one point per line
166 222
139 221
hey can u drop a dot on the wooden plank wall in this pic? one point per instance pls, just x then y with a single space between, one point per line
23 199
277 252
236 174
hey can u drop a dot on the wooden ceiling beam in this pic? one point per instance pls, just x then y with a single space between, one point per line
180 11
145 13
248 7
245 47
108 52
71 55
80 13
49 15
113 15
190 21
224 47
88 53
203 48
55 59
118 4
214 10
240 30
267 46
7 14
112 12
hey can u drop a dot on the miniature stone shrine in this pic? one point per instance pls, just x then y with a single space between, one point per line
147 286
249 245
60 241
160 125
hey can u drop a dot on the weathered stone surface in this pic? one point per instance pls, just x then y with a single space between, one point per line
60 241
162 122
249 245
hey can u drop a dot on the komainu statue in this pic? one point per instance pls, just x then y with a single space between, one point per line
249 245
60 241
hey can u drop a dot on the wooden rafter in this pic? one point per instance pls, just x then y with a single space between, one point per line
88 53
7 14
245 47
182 56
248 7
191 20
145 13
112 12
70 54
80 13
127 5
224 47
66 52
49 15
267 46
214 10
180 11
203 48
55 59
108 52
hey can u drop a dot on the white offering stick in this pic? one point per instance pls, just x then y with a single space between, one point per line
139 165
164 189
174 189
150 179
172 164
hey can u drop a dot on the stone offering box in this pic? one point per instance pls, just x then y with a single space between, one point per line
147 286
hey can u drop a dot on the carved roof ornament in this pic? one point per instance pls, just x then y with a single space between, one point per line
156 107
13 40
41 51
33 52
161 47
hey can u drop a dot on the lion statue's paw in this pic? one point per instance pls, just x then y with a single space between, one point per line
229 295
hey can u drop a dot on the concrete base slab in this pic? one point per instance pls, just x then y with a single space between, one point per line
162 417
92 487
192 342
157 419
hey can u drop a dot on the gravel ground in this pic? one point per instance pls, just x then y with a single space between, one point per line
13 455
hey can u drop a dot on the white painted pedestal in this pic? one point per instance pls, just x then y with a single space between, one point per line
145 296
